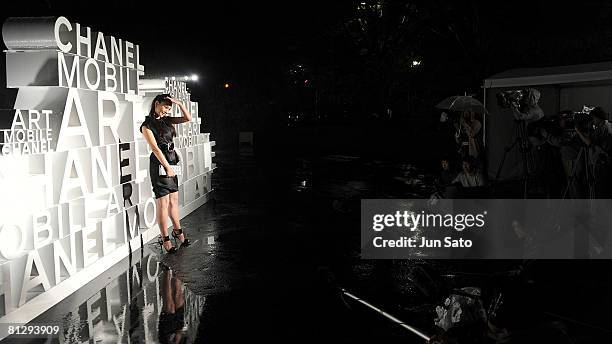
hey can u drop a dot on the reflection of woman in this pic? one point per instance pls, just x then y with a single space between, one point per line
158 130
172 317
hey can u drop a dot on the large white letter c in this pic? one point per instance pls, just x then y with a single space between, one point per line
62 21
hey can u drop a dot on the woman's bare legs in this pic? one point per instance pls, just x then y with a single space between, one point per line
179 301
179 297
174 214
167 295
162 218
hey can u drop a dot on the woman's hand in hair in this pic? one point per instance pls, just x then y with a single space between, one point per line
186 115
174 100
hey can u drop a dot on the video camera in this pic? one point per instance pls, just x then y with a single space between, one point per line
578 118
511 98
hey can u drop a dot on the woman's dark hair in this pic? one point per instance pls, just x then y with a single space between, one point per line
162 99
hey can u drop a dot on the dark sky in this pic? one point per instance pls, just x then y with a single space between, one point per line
212 39
211 33
225 40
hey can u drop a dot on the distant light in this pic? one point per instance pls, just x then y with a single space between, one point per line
173 78
416 63
306 82
186 78
194 77
226 85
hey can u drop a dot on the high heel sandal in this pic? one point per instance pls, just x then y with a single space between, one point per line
161 243
176 234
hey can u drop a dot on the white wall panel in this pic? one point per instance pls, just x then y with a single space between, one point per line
79 202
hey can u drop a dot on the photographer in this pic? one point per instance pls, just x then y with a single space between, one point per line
531 111
556 150
553 131
468 135
596 134
471 175
446 172
527 113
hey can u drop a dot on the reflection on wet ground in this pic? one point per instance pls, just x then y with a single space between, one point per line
278 241
142 301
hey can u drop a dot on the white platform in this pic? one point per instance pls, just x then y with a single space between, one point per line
55 295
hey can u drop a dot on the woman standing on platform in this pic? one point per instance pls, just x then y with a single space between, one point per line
158 130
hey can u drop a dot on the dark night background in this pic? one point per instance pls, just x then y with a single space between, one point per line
336 64
315 80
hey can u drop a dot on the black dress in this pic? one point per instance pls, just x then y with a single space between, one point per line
162 131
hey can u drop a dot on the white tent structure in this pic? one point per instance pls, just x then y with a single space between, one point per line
562 88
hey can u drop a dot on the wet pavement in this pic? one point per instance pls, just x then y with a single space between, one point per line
274 245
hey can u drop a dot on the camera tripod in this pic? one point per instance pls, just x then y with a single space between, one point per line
583 228
582 160
521 142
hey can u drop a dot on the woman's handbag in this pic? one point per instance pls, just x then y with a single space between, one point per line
178 170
